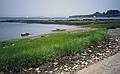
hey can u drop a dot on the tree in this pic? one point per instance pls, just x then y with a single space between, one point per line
112 12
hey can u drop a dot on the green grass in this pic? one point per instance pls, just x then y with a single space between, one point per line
84 21
23 53
108 26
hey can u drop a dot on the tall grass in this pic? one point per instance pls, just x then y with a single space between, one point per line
15 55
108 26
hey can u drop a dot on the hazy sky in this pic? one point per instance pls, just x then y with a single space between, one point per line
55 7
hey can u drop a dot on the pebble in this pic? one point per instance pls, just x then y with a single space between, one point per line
93 56
96 58
78 61
66 69
90 61
75 66
83 62
36 69
55 63
46 71
116 40
99 54
55 69
90 51
25 70
117 47
107 51
30 68
38 72
78 54
83 57
50 72
99 46
61 67
65 66
82 66
86 63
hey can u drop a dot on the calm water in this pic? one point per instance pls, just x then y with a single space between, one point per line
13 30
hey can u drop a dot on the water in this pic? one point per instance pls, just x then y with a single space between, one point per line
13 30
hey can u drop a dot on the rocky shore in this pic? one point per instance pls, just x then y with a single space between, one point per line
70 64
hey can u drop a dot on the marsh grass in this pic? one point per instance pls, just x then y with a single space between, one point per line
23 53
108 26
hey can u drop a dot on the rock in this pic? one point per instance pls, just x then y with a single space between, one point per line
46 71
107 51
96 58
55 69
93 56
116 40
99 54
65 66
78 54
99 46
86 63
38 72
61 67
25 70
75 67
82 62
37 69
82 66
117 47
30 68
83 57
66 69
109 44
84 53
78 61
25 34
90 61
59 29
55 63
90 51
50 72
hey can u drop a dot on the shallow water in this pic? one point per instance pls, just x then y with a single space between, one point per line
13 30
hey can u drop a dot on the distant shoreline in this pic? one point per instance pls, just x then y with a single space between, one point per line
71 21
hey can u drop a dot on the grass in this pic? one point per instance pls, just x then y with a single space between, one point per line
23 53
79 22
108 26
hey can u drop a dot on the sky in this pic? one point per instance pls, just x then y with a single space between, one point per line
54 8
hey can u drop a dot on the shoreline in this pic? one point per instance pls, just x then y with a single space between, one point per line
77 29
64 22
